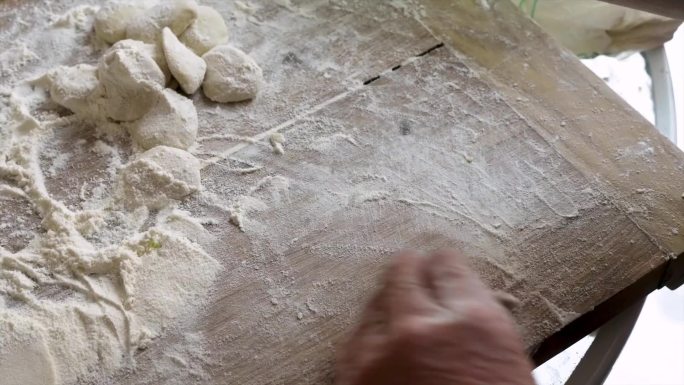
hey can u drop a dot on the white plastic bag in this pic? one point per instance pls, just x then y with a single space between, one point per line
591 27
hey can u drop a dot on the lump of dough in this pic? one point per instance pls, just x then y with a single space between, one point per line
206 32
186 67
159 175
171 121
111 21
175 14
76 88
130 79
231 76
154 51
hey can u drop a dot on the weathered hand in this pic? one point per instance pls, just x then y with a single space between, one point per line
434 323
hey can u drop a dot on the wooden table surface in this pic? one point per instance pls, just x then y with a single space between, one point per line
423 124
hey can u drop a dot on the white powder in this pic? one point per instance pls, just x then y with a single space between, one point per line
89 291
15 58
93 284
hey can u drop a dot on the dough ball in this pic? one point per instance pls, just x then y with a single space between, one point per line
130 79
172 121
231 76
206 32
175 14
186 67
75 88
154 51
111 20
159 175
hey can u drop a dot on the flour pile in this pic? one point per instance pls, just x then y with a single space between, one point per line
91 286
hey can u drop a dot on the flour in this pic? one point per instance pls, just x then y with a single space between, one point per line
78 18
84 287
91 290
15 58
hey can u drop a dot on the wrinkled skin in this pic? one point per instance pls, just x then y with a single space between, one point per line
434 323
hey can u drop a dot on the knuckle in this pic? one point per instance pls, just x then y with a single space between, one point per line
411 329
481 316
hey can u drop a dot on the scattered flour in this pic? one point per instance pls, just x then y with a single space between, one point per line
83 297
92 286
15 58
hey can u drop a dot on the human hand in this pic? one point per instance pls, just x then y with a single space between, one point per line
434 323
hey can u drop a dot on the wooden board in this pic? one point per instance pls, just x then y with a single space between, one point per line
434 124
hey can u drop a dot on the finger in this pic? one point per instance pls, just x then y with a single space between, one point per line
364 345
405 292
452 281
374 317
507 300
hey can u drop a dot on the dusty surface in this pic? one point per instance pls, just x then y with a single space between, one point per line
461 146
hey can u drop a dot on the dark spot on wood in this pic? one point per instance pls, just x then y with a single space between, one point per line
404 127
292 59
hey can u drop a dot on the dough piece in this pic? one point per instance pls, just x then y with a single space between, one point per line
277 139
75 88
186 67
159 175
206 32
232 76
175 14
111 21
130 81
172 121
154 51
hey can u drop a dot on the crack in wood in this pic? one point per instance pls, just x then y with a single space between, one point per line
261 136
396 67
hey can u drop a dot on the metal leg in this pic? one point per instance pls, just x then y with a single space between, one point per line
594 367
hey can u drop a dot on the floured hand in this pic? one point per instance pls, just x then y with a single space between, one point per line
434 322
